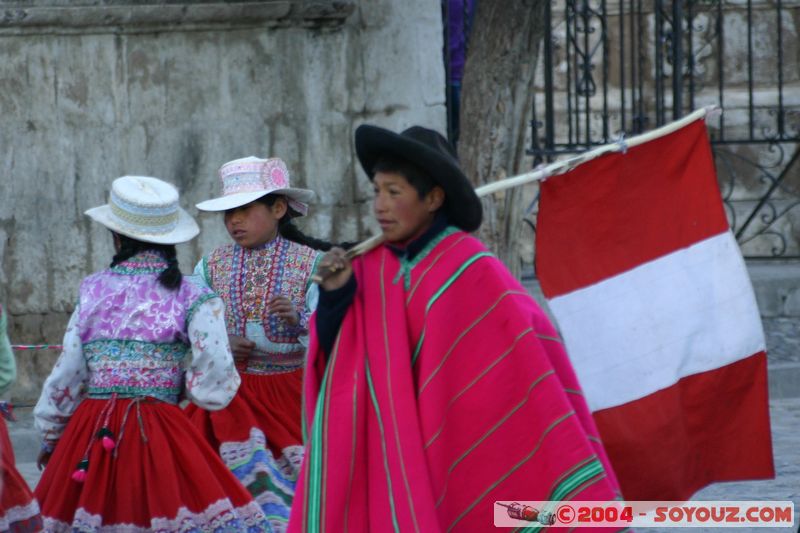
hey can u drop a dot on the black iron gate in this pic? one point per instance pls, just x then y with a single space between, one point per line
612 68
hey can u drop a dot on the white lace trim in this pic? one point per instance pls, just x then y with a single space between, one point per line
19 513
216 517
236 453
293 457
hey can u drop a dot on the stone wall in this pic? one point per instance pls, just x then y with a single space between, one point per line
90 91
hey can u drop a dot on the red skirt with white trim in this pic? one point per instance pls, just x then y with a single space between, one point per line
19 512
160 475
258 435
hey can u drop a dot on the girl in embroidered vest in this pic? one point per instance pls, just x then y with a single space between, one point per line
264 279
435 386
120 454
19 511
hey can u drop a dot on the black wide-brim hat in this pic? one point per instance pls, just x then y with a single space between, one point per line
431 153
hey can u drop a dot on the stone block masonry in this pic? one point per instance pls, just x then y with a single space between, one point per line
90 91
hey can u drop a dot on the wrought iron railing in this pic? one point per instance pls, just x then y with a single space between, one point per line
612 68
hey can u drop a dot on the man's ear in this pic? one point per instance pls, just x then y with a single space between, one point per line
435 199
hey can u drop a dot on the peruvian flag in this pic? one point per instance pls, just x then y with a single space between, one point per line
652 297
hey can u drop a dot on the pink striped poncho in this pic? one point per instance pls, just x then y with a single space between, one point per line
447 390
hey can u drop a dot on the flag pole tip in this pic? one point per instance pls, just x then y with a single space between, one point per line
713 111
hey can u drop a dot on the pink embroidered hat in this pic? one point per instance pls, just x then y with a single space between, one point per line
248 179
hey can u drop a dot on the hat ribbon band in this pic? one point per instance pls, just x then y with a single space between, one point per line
149 223
243 183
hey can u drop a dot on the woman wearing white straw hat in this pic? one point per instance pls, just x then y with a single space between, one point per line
264 278
119 452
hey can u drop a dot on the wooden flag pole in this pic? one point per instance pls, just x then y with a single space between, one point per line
555 168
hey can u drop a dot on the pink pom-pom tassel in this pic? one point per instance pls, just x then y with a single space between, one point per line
108 443
79 476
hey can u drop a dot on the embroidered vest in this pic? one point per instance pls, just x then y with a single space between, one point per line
133 330
247 279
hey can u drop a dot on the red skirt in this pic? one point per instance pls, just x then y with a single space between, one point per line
161 475
258 435
19 512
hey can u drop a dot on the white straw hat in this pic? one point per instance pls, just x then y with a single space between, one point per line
145 209
248 179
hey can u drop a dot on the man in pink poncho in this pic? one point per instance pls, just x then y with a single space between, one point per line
435 385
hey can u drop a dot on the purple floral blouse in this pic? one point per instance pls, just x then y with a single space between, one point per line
132 337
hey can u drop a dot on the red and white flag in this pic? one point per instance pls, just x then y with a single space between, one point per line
652 297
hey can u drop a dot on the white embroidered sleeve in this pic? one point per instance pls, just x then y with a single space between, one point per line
64 388
200 273
8 366
211 378
312 297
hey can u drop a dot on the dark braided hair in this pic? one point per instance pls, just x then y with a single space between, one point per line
289 231
170 277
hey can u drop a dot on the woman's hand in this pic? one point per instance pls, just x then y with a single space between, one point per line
334 269
241 347
283 308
